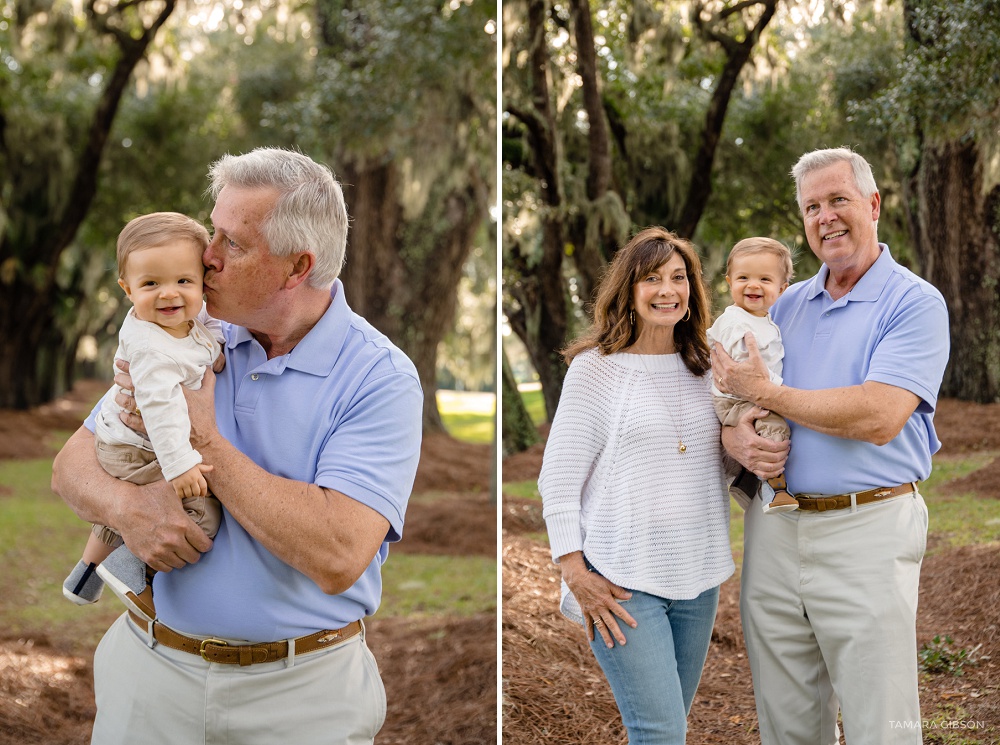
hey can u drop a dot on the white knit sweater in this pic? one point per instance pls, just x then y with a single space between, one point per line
614 485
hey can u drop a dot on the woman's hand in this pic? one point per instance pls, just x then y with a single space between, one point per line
598 597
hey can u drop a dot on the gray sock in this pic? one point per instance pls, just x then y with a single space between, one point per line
127 568
83 586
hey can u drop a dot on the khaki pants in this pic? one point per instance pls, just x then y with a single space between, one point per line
138 466
160 696
829 603
731 410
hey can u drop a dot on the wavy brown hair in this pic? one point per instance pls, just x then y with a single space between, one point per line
613 329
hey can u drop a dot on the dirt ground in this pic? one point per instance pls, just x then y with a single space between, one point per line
440 674
554 692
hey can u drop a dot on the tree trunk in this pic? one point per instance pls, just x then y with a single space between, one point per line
519 431
602 223
542 320
407 291
24 317
373 270
956 240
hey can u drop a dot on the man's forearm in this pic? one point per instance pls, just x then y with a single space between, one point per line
149 518
871 412
326 535
90 491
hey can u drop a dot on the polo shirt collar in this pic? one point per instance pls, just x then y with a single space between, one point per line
319 349
869 288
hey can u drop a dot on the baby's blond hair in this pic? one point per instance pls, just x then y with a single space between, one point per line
749 246
157 229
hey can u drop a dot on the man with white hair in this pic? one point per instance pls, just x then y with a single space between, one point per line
313 434
829 592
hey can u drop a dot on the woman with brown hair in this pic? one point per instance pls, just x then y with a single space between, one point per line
634 488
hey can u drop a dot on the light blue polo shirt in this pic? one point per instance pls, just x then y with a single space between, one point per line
341 410
892 327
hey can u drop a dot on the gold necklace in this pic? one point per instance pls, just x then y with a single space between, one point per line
681 447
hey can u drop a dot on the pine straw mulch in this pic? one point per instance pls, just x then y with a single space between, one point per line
554 691
440 674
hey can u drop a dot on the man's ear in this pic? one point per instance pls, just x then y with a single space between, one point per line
299 268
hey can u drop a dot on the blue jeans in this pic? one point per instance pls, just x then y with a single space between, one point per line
655 675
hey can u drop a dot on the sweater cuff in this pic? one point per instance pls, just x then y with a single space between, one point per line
178 465
565 533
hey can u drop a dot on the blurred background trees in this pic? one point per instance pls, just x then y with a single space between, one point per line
112 109
617 115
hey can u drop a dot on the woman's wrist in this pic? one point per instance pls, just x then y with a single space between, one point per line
572 564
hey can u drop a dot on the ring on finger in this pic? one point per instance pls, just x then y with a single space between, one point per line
598 621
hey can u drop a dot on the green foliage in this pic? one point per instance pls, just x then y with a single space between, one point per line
940 656
393 75
947 81
226 79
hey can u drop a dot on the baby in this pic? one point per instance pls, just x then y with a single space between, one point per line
757 272
167 344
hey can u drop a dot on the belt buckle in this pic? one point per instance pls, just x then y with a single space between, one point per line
216 642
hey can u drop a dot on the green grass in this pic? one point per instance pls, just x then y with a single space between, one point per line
961 521
40 542
415 585
468 416
535 404
523 490
475 428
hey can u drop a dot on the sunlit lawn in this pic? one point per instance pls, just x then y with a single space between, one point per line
531 394
467 415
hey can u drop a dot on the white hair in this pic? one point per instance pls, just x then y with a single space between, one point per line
310 214
818 159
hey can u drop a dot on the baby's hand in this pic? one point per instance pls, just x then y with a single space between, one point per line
220 363
192 483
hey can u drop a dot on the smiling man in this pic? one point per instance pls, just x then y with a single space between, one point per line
829 591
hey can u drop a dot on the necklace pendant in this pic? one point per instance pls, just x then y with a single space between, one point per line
681 447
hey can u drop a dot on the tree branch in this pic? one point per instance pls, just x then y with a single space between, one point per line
84 185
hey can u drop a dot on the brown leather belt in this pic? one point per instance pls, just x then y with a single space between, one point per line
218 650
843 501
